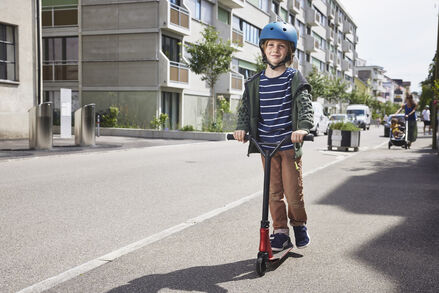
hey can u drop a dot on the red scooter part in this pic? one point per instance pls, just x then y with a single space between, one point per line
265 253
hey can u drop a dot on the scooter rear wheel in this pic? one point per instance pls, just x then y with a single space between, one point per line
261 266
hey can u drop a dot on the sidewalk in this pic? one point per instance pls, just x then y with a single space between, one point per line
19 148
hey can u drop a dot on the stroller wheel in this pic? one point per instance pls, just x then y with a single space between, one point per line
390 144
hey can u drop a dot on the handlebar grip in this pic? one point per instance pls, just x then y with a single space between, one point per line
308 137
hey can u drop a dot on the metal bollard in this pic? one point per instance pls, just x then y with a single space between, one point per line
98 122
41 126
85 126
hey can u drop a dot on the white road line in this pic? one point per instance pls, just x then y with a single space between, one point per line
95 263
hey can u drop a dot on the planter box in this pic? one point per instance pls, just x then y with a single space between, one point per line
343 140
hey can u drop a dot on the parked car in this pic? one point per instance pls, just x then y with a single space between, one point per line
321 121
362 115
387 123
334 118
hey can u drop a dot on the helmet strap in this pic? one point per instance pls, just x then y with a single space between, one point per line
273 67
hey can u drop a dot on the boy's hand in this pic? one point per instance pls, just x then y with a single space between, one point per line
239 135
298 135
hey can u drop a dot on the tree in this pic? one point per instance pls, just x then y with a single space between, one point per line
337 91
318 84
210 58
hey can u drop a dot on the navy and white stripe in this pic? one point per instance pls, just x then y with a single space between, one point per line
275 108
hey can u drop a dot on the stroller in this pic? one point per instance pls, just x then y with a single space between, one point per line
398 131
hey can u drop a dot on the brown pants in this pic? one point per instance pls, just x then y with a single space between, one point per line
286 180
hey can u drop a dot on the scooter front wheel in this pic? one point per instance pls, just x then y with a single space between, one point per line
261 266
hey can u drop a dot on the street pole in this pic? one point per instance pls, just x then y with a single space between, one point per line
436 75
39 87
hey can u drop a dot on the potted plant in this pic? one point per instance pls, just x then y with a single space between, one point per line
344 135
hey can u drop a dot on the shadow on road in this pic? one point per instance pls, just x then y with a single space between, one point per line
199 279
404 187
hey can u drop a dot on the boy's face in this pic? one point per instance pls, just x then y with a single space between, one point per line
276 51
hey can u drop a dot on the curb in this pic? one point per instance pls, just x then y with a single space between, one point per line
167 134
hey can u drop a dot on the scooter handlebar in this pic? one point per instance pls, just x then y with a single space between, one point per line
308 137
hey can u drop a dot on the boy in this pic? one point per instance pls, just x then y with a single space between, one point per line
277 103
396 131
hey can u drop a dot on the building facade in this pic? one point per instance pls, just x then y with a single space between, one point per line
131 54
17 67
373 76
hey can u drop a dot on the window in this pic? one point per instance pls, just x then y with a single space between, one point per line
320 40
223 15
300 56
201 10
8 59
66 16
60 56
301 27
171 106
251 33
275 7
171 48
322 17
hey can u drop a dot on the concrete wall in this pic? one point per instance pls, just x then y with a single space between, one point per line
136 108
16 98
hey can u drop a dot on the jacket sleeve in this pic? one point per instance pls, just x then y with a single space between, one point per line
243 122
305 111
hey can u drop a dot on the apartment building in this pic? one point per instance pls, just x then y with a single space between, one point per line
17 67
131 54
373 76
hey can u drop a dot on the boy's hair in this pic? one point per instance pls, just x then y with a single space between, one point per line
290 52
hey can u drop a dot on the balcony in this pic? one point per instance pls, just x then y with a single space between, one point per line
309 43
345 65
330 34
237 37
275 17
173 74
230 83
331 12
294 6
347 27
337 20
345 46
329 56
175 18
232 3
312 18
307 68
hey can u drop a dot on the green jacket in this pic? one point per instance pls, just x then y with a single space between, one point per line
301 110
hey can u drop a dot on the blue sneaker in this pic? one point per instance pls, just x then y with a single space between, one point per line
301 235
280 241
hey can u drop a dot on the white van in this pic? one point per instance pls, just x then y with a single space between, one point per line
362 115
321 121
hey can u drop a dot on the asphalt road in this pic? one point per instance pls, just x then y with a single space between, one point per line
185 217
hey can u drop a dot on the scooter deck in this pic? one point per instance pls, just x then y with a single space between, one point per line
280 254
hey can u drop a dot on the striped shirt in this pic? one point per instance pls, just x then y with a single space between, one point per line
275 108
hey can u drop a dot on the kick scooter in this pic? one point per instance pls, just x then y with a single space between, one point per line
265 253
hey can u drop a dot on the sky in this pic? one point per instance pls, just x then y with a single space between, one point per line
398 35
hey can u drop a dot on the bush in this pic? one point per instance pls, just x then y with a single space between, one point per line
109 119
188 128
347 126
160 122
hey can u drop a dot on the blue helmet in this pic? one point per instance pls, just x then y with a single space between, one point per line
279 31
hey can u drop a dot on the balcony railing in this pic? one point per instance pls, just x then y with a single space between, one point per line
294 6
309 43
312 18
60 70
237 37
179 72
237 81
179 16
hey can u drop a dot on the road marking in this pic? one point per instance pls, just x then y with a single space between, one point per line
95 263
